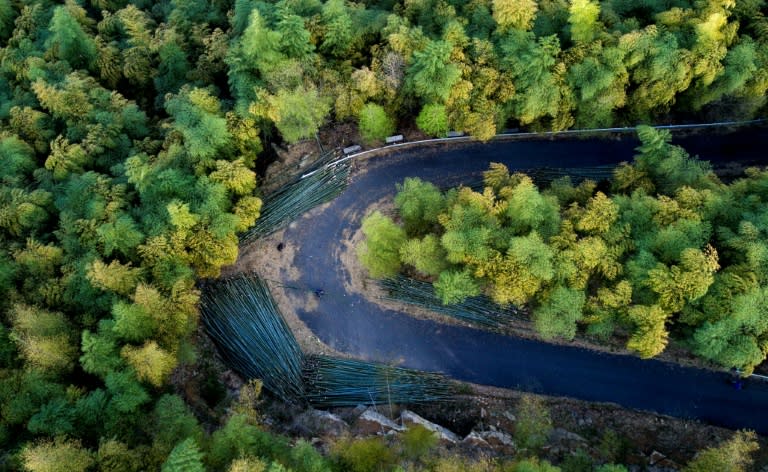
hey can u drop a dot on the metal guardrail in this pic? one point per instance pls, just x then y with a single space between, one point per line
538 134
738 373
759 377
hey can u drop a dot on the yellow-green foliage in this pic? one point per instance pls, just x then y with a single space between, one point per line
380 253
375 124
533 423
151 363
56 456
733 455
364 455
44 338
417 441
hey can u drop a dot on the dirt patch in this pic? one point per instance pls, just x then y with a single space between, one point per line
357 280
272 259
290 161
339 135
205 382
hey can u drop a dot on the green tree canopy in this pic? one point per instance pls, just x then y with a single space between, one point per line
433 120
184 457
583 20
454 286
375 124
425 255
559 312
432 74
419 204
380 252
199 119
297 113
69 39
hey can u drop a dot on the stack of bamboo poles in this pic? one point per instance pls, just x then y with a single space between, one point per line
334 382
285 205
479 311
545 175
242 318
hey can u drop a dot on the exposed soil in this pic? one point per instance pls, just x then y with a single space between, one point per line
357 280
289 163
275 265
205 383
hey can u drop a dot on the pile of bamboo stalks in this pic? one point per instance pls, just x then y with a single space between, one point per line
544 176
292 200
242 318
478 311
333 382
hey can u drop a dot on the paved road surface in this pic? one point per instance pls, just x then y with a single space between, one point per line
351 324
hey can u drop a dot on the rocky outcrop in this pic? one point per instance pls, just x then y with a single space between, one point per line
562 437
371 422
319 423
659 462
563 442
499 441
494 441
446 436
474 439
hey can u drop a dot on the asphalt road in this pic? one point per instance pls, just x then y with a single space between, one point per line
351 324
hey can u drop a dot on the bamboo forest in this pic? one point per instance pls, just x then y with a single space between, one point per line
157 158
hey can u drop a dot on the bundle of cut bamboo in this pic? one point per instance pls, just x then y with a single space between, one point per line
242 318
